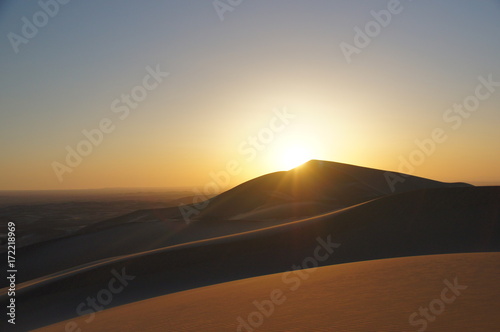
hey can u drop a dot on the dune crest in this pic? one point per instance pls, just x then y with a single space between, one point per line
376 295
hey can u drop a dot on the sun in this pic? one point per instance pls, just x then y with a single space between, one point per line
294 156
293 150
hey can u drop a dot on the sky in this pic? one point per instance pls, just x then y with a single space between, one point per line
185 93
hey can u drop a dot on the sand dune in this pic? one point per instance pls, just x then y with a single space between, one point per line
366 296
425 222
314 188
124 239
328 185
338 184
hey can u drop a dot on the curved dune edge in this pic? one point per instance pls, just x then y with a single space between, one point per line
41 281
377 295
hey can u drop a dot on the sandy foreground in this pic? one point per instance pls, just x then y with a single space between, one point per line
453 292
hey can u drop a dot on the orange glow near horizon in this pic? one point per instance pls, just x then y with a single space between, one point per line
224 83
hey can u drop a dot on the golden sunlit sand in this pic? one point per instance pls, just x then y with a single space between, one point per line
365 296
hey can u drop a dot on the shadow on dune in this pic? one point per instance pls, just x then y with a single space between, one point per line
430 221
315 188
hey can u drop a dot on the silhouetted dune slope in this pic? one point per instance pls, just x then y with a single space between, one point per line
314 188
122 239
338 184
378 295
431 221
329 184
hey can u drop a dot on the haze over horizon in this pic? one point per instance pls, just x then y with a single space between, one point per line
263 90
199 189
